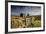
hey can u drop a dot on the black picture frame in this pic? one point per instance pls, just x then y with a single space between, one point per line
6 16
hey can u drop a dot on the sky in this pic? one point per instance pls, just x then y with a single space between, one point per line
31 10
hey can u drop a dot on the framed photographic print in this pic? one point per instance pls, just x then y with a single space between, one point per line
25 16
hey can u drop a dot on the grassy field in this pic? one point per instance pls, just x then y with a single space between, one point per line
25 22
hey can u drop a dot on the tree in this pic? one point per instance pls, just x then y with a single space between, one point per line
28 14
21 14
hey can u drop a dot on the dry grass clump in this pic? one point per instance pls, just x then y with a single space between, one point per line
22 22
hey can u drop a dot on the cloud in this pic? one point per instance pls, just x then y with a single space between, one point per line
32 10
